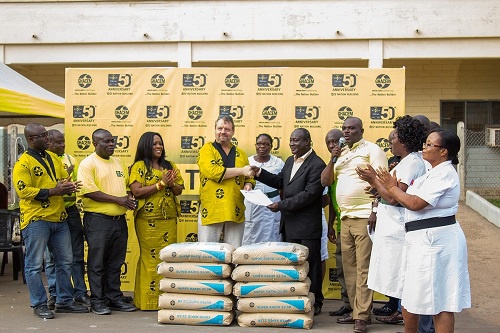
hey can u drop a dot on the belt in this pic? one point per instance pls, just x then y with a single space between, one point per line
104 216
71 208
432 222
272 194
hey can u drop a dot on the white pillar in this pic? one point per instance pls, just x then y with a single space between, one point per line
376 53
184 53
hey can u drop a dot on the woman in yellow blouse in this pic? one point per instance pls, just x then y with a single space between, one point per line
155 182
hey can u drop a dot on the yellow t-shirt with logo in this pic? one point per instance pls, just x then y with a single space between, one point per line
32 180
107 176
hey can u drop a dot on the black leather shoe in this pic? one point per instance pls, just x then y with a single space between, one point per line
340 312
83 300
127 299
71 308
395 318
385 310
51 302
122 306
43 311
317 309
100 309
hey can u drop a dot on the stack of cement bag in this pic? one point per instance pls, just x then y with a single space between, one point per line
272 285
196 284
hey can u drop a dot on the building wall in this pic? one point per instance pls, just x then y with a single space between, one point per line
428 81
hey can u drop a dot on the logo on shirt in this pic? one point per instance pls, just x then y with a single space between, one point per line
219 193
149 207
119 174
45 203
38 171
21 185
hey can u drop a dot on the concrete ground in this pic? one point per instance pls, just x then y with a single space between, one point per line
484 316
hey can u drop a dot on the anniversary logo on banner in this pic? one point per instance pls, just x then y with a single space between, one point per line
183 105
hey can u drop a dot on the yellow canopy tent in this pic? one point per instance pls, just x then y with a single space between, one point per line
22 97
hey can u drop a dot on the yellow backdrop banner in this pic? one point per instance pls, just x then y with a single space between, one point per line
183 104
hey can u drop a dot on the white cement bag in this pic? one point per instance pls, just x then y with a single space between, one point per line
285 304
195 302
203 287
271 253
189 270
192 317
266 289
270 273
292 320
197 252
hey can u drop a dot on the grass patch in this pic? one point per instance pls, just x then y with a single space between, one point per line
496 202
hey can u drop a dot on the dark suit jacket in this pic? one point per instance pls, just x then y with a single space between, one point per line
301 205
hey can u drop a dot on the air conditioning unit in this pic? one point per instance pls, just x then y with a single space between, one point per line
492 137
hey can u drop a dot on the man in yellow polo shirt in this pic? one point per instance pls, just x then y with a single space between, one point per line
105 201
356 213
40 181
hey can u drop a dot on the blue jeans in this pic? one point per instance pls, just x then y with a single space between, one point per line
78 266
37 235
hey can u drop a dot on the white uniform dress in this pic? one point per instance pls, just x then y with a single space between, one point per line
261 224
389 237
435 273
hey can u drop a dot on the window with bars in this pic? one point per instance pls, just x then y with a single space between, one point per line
476 115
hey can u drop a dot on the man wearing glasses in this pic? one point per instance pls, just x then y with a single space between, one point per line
41 182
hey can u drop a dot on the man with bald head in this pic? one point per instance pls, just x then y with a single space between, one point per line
41 182
57 145
356 213
105 199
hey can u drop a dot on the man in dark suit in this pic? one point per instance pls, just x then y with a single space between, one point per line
300 183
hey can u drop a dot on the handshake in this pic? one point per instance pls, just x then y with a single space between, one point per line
250 170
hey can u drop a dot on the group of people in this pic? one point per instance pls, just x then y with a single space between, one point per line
418 254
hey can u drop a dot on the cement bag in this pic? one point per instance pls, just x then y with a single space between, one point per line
190 270
266 289
202 287
197 252
192 317
285 304
270 273
195 302
293 320
271 253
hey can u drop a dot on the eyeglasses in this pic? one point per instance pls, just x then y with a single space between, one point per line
43 135
262 144
428 145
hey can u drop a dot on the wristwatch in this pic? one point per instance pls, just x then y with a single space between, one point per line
374 209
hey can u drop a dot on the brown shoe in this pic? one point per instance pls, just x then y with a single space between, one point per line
346 319
395 318
360 326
